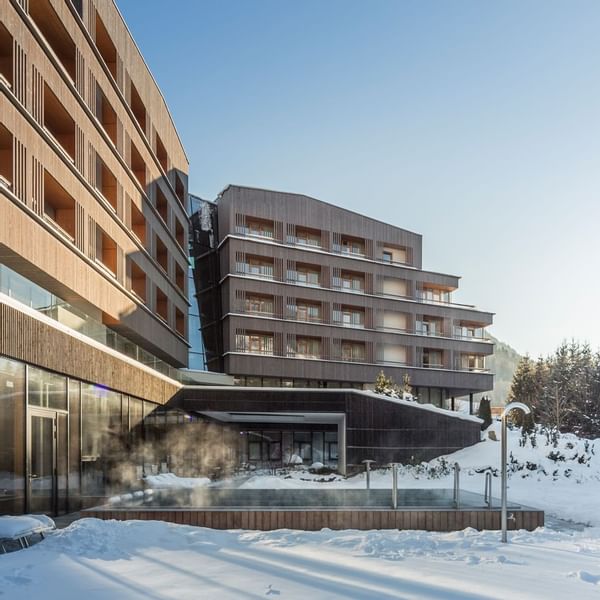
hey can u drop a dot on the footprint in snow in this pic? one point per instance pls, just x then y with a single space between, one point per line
271 591
586 576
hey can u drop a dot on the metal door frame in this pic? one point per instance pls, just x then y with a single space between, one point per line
45 414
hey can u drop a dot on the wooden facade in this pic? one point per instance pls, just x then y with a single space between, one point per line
97 183
317 519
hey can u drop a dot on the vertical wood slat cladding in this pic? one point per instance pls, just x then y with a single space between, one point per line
37 95
80 73
20 73
24 338
315 520
37 192
20 171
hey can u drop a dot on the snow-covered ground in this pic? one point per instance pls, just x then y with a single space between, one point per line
104 559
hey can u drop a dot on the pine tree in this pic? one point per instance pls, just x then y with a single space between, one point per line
383 384
485 412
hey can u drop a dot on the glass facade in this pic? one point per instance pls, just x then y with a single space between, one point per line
66 444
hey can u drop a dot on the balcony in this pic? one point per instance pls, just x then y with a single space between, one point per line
138 166
51 27
59 123
106 183
260 228
161 254
432 359
180 277
106 251
394 255
6 157
471 362
256 267
469 332
308 275
350 282
393 286
106 47
161 154
138 223
306 347
352 246
259 305
434 295
353 351
307 312
162 305
59 207
138 280
430 327
393 354
349 316
106 115
138 108
180 322
162 205
254 343
6 56
306 237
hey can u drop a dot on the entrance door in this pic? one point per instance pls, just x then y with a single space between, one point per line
47 489
42 462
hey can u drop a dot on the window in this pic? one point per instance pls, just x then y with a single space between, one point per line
6 157
432 359
394 254
179 233
349 316
473 362
162 206
138 280
308 237
161 254
180 189
106 182
353 351
259 304
308 275
354 246
46 389
435 295
162 305
138 166
180 277
307 311
6 55
106 114
257 266
306 347
59 207
161 154
106 251
469 331
138 108
255 343
138 223
51 27
352 282
260 228
105 46
430 326
59 123
179 322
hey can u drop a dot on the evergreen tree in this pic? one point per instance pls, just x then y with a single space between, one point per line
485 412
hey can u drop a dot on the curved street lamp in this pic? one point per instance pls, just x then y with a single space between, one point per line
526 410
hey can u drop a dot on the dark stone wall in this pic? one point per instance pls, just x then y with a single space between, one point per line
376 428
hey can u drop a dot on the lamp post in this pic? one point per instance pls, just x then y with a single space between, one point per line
526 410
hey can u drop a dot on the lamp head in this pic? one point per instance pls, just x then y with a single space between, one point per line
516 405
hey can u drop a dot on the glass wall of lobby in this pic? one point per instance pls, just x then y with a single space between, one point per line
65 444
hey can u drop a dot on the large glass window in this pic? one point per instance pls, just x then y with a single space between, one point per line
12 436
46 389
102 450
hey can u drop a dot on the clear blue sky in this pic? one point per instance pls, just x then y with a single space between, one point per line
475 123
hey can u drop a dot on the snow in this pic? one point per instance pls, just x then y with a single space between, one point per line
20 526
136 559
149 559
